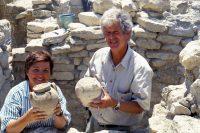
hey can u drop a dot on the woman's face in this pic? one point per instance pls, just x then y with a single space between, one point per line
38 73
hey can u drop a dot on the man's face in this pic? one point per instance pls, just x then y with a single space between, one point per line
115 37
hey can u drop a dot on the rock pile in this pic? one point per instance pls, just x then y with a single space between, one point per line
5 68
179 109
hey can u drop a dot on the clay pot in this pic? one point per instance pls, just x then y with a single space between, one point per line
87 89
45 97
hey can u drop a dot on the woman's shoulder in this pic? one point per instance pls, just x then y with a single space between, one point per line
21 87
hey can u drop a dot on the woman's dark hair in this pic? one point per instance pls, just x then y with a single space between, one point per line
37 56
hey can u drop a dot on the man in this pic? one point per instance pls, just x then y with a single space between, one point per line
87 5
125 75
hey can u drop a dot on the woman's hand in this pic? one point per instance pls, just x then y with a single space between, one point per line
35 114
58 110
59 121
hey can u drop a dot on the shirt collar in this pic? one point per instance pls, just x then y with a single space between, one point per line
125 61
26 88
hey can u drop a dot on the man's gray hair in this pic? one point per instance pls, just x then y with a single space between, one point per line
114 15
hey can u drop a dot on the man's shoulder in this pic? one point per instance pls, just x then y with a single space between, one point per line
141 62
102 51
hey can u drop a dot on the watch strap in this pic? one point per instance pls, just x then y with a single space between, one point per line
117 106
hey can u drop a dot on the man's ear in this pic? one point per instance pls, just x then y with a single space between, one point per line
128 34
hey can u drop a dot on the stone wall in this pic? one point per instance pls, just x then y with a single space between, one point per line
179 109
161 30
5 68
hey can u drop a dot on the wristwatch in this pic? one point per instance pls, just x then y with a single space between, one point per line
60 114
117 106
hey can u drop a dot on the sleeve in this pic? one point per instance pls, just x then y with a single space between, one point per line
63 104
141 86
11 109
90 71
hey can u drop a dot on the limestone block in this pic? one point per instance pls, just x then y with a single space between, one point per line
40 2
76 41
179 7
100 6
161 55
61 67
36 27
63 76
158 63
89 18
19 54
73 26
5 27
77 61
54 37
167 39
88 33
82 53
41 6
189 56
178 109
152 25
160 124
2 77
148 43
87 89
4 59
75 2
172 48
51 26
195 91
159 110
17 6
140 32
24 14
81 75
64 7
96 46
75 48
60 49
173 93
61 59
41 13
186 124
82 67
182 31
155 5
35 45
73 130
129 6
45 97
33 35
2 38
7 73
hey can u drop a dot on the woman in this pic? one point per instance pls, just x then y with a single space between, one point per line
17 115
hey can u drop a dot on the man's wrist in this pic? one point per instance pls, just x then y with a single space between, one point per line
60 114
117 107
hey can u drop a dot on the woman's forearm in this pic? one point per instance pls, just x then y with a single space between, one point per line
59 122
16 126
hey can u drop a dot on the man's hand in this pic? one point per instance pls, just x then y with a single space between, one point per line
105 101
